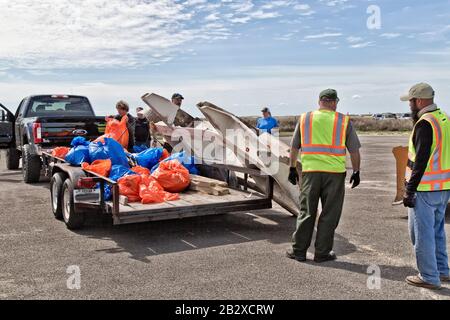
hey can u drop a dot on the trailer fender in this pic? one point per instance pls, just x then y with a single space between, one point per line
74 173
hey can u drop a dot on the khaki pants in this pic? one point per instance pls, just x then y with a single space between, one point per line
330 189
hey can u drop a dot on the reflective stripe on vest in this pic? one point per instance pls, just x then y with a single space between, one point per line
323 148
437 174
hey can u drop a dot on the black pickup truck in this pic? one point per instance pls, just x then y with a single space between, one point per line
41 123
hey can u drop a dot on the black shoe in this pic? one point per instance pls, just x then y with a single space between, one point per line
329 257
291 255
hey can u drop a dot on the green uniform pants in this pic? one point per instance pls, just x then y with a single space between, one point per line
330 189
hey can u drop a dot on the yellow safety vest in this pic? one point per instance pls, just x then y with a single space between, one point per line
323 138
437 173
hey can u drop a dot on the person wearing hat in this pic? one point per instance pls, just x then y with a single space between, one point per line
428 187
142 129
177 99
323 138
267 123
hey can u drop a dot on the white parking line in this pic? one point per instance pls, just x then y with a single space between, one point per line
262 220
240 235
189 244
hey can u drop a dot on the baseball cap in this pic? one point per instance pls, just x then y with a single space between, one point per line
328 94
265 110
419 91
177 96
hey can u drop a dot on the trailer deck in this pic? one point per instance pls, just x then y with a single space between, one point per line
191 204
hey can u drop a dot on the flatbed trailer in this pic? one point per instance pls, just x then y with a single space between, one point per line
72 200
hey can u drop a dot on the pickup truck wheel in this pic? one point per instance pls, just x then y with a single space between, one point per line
12 159
73 219
31 165
56 192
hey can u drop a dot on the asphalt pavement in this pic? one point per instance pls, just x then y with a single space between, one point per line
233 256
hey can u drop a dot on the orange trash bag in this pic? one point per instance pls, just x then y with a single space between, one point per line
60 152
100 167
129 187
165 155
172 176
151 191
141 170
116 130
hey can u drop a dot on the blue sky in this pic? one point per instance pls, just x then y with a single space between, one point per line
241 55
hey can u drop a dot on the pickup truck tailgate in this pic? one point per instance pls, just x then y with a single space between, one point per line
61 131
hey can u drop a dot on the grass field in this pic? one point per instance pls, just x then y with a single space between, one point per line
362 125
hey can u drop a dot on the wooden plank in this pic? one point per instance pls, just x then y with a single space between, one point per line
204 181
198 197
123 200
216 190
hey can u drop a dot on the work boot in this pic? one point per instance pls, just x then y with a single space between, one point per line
329 257
445 278
418 282
291 255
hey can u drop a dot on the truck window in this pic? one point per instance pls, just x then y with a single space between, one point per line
59 106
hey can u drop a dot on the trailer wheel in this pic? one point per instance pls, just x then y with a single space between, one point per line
73 219
56 191
12 158
31 165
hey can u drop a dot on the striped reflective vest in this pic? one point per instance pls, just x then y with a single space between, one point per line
437 173
323 137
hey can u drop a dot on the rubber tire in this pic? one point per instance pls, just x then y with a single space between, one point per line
31 165
56 184
74 220
12 159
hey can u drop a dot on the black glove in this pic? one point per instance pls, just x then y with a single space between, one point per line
355 179
409 200
293 176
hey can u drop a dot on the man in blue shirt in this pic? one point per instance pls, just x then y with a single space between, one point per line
267 122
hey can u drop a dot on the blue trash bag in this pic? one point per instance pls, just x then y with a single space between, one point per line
117 172
79 141
77 155
187 162
139 149
148 158
97 151
116 153
111 149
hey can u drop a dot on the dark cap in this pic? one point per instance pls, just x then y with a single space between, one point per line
265 110
328 94
177 96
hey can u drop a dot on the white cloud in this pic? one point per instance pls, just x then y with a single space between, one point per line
212 17
333 3
90 34
354 39
323 35
302 7
363 45
390 35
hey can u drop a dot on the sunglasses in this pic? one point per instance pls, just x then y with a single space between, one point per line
331 100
